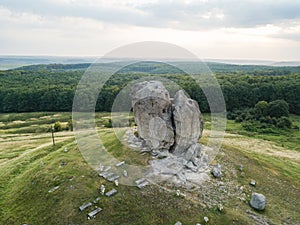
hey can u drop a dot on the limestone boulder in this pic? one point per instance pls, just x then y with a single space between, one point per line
152 110
258 201
187 121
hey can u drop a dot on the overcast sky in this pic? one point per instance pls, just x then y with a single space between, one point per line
228 29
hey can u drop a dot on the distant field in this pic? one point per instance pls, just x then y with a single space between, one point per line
30 167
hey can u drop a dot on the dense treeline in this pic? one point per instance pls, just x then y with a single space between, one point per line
49 90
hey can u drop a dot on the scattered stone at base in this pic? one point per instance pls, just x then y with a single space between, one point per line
206 219
107 175
252 182
220 207
84 206
94 213
96 200
102 189
217 171
125 174
65 149
178 223
120 164
111 192
241 168
101 168
139 181
107 168
117 183
53 189
190 165
258 201
144 184
114 178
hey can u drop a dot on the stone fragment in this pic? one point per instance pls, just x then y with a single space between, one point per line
114 178
241 167
111 192
120 164
105 176
258 201
144 184
101 168
139 181
84 206
96 200
94 213
252 182
206 219
102 189
178 223
220 207
217 171
190 165
53 189
107 168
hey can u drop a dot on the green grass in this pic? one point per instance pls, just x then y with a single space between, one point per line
25 182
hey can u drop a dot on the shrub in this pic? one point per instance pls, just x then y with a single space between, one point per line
57 127
284 122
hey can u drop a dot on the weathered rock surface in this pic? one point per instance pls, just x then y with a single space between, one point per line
152 109
163 124
188 122
258 201
170 130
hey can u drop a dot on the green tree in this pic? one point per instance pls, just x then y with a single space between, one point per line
278 108
261 109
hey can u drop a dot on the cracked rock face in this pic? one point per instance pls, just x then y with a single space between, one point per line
188 122
152 113
167 125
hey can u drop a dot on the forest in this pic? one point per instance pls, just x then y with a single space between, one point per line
52 87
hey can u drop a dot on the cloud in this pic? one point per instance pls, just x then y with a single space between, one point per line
216 29
189 15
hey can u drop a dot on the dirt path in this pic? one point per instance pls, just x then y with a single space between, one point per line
259 146
25 153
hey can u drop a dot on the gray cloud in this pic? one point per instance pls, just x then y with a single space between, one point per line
197 15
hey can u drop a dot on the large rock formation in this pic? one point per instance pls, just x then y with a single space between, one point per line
188 122
169 125
152 113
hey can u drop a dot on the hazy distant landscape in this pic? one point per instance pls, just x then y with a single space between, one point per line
10 62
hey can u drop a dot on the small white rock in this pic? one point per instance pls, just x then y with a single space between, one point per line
206 219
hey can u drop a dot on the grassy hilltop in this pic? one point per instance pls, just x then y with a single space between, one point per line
30 167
